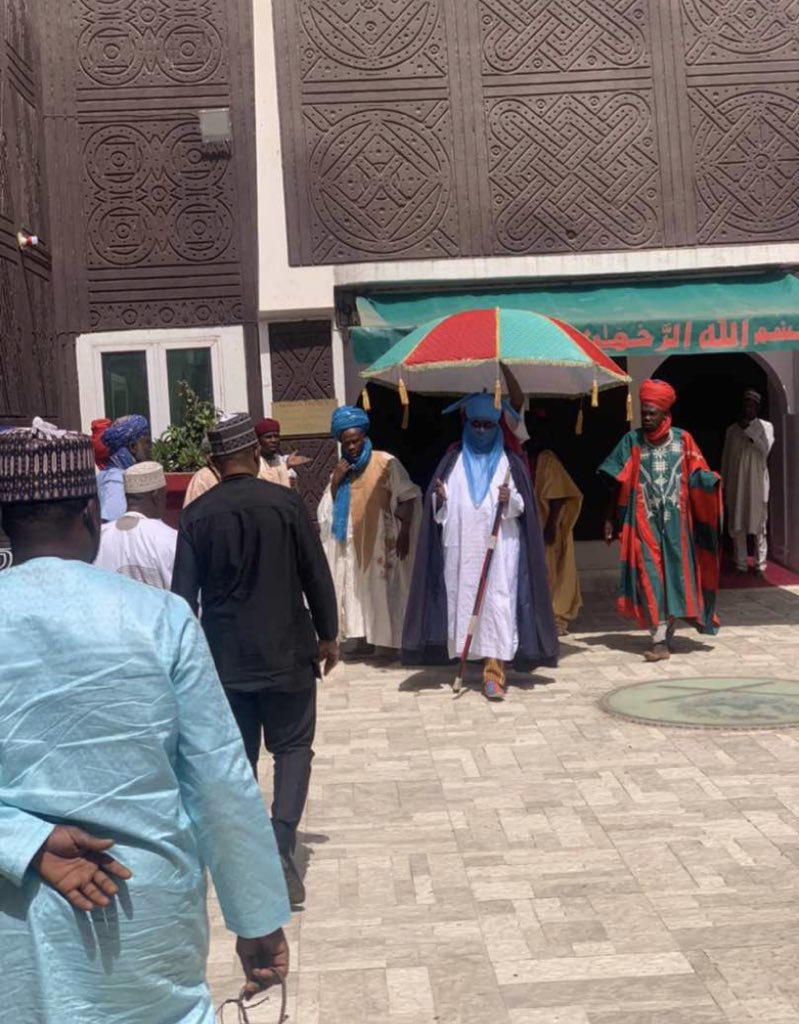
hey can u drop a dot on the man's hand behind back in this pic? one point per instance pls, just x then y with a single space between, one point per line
78 866
328 655
265 961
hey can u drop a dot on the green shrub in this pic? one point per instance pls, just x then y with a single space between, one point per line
180 448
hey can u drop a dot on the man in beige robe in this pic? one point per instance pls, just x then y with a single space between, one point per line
369 519
560 502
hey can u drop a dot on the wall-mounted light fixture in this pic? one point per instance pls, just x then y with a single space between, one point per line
26 240
215 126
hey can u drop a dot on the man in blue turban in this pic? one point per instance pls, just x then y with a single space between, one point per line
128 442
369 518
516 624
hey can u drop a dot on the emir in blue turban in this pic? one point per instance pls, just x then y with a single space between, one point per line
482 449
122 433
347 418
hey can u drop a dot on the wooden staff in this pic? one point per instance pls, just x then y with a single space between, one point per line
457 686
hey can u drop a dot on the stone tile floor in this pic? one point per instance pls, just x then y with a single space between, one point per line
538 862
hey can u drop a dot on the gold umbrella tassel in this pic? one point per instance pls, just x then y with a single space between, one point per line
367 405
406 404
578 426
595 395
498 394
629 406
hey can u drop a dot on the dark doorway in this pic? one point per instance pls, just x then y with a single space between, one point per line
709 390
430 434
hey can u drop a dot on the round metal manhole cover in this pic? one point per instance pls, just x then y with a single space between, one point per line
714 703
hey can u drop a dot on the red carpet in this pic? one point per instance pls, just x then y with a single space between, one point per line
776 576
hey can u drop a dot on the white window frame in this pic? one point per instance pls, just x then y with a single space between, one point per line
228 368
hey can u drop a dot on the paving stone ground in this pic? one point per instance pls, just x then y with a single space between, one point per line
539 862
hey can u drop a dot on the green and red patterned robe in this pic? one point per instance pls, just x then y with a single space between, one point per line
670 514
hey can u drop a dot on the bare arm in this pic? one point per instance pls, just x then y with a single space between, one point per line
515 393
611 513
551 525
404 515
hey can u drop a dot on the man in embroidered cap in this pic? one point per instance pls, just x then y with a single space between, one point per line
250 556
140 544
130 740
369 518
516 624
127 441
279 468
666 507
744 472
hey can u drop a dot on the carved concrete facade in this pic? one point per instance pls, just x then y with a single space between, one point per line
147 226
441 128
477 143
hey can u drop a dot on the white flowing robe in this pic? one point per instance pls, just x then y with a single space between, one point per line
466 533
372 600
745 478
138 547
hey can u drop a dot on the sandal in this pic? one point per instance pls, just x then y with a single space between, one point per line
493 679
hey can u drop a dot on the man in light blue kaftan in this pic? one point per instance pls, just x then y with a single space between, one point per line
112 719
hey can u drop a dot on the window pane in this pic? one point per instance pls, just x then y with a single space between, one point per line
194 366
125 384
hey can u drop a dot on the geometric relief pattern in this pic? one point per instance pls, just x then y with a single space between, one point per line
746 146
165 313
154 196
575 172
313 478
725 31
381 180
302 362
151 42
363 39
563 35
12 401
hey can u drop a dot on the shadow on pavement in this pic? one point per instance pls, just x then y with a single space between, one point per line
637 642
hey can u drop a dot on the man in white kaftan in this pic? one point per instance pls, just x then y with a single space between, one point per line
466 507
369 519
139 544
745 476
466 535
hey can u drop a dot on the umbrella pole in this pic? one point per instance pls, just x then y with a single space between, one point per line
457 686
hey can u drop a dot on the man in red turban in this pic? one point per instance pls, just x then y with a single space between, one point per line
279 468
101 452
666 510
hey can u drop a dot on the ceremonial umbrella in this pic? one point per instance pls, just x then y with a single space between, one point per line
461 353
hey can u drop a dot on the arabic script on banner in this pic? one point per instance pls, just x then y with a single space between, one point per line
686 337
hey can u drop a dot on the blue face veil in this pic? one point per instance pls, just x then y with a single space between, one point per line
482 448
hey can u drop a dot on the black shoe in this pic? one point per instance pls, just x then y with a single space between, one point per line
294 883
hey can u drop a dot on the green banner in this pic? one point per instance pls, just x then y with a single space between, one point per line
755 314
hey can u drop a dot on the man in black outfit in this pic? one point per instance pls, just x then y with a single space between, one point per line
249 555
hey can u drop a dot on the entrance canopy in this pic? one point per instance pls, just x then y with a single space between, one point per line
755 314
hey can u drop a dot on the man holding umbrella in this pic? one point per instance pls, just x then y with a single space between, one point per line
472 483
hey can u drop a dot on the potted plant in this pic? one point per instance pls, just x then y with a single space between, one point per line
180 448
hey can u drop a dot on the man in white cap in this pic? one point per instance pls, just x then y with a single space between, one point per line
140 545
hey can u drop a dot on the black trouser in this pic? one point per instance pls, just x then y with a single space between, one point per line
288 722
